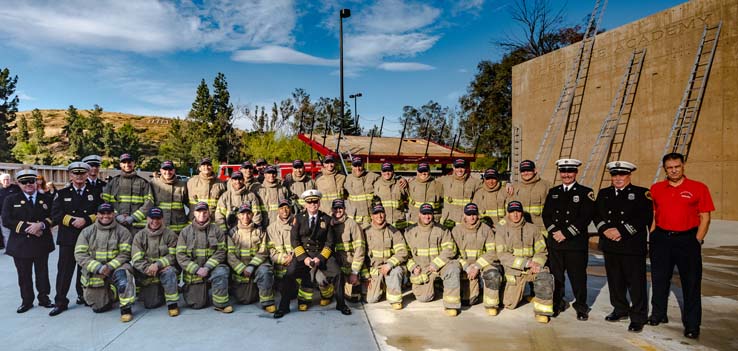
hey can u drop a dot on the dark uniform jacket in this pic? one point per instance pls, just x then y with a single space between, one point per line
312 243
570 212
68 204
97 190
631 213
17 214
4 192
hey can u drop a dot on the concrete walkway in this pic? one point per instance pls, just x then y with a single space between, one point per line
417 327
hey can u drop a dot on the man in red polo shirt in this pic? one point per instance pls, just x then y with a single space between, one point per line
682 216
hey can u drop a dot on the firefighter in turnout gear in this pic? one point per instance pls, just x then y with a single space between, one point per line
387 253
424 188
236 195
252 276
312 237
393 197
329 182
491 198
623 215
130 195
298 182
205 187
532 192
360 188
103 251
458 190
567 213
154 258
74 209
477 256
521 249
350 249
170 195
251 182
432 251
269 193
201 252
280 247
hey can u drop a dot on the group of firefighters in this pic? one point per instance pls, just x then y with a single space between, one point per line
361 236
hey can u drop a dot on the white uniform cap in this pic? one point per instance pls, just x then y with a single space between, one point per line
568 163
620 166
311 194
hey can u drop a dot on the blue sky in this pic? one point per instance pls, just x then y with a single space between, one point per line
147 57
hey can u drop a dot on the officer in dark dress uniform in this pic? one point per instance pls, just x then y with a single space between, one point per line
567 213
95 184
312 238
74 209
28 216
623 216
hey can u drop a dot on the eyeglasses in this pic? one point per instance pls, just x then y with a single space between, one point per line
27 181
312 201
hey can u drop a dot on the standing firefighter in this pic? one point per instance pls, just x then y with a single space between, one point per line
154 258
201 252
236 195
103 251
170 195
393 197
205 187
532 192
360 188
387 252
280 247
567 213
95 184
458 190
252 276
623 215
298 182
312 237
129 194
433 251
424 188
477 256
522 252
74 209
350 249
269 193
491 198
329 182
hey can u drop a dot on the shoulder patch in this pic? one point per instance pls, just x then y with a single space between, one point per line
648 195
591 195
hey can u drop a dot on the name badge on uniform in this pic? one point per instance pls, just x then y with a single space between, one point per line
575 198
90 197
46 207
68 199
555 196
322 225
631 196
16 205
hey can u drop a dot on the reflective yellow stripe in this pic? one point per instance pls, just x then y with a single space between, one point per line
534 210
541 307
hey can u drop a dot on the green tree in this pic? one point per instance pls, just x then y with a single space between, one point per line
23 134
74 130
128 142
202 131
94 132
8 109
38 127
109 140
177 145
226 140
427 120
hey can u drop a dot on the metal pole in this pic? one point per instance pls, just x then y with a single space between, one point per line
402 136
440 136
302 117
427 139
344 13
381 125
371 140
453 143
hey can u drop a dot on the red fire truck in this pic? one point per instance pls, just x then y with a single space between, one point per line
285 168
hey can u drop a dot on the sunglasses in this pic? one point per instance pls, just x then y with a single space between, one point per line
77 173
312 201
619 173
27 181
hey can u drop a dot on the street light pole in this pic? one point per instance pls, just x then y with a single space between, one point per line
356 110
344 13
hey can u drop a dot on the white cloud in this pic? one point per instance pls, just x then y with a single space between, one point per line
462 70
280 54
147 26
468 5
22 96
405 66
396 16
370 49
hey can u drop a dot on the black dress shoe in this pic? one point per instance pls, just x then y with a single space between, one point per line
47 304
582 316
24 308
345 310
654 321
614 317
57 310
635 327
81 301
280 313
692 334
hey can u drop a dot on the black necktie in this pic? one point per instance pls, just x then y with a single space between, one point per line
617 192
79 192
312 222
30 199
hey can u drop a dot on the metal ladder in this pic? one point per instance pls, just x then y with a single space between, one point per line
685 120
566 112
517 153
609 142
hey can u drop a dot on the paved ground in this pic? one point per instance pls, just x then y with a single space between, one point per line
417 327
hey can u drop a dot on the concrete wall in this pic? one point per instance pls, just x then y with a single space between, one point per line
671 38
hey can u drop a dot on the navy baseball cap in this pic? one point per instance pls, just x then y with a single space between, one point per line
247 165
329 159
236 175
155 212
260 162
206 161
167 165
105 208
377 208
423 167
515 206
338 203
527 165
284 202
459 163
471 209
202 206
270 169
388 167
426 208
357 161
298 164
245 207
491 173
126 157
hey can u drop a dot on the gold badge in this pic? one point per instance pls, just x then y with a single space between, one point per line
90 197
591 195
322 225
648 195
